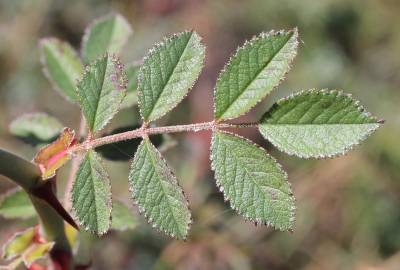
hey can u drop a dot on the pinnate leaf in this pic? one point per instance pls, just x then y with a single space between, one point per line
122 217
61 65
16 204
168 72
101 91
252 181
106 34
253 72
91 194
317 124
157 193
36 127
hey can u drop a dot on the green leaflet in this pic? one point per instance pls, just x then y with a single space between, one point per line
131 99
157 193
252 181
105 35
91 194
122 217
317 124
16 204
253 72
168 72
61 65
101 91
36 127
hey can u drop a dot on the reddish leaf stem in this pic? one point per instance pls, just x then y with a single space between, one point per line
145 131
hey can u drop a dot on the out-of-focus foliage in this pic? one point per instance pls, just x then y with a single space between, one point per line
349 218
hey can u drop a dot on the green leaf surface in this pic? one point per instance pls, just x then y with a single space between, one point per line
16 204
317 124
61 65
157 193
131 99
91 195
168 72
36 128
122 217
105 35
18 243
253 72
252 181
101 91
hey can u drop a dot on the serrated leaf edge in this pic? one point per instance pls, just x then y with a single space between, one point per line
109 203
151 52
46 71
347 149
226 198
86 33
120 67
247 43
143 212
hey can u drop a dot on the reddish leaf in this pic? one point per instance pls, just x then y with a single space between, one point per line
53 156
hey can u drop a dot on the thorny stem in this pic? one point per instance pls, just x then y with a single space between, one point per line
145 131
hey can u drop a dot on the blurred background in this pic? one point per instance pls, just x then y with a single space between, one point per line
348 214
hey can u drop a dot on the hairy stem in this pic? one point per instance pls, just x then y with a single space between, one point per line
145 131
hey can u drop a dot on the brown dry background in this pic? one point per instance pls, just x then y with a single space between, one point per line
348 214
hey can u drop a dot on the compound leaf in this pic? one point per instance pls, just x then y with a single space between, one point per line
122 217
157 193
252 181
317 124
36 128
101 91
91 194
106 34
16 204
253 72
61 65
168 72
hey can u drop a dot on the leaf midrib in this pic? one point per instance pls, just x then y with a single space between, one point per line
100 93
252 177
154 162
169 77
256 75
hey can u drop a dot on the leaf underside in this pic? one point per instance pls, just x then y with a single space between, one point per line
252 181
61 65
101 91
16 204
91 195
168 72
156 191
107 34
253 72
38 127
317 124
